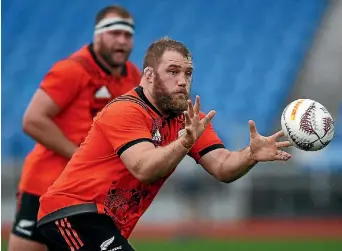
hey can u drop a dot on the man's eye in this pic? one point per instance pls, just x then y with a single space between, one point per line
173 72
189 73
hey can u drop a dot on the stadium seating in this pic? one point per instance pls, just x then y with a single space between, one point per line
246 53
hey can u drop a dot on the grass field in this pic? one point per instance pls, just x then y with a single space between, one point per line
286 235
241 246
213 245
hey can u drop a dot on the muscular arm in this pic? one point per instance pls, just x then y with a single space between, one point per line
224 165
38 124
126 125
57 90
148 163
228 166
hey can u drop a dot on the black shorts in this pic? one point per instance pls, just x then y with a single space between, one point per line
84 232
25 223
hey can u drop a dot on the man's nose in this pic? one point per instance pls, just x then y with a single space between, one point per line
182 80
121 39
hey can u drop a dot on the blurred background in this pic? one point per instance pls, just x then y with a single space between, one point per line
251 58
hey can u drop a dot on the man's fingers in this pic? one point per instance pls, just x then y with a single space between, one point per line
278 135
283 144
282 156
206 120
252 128
190 109
197 105
187 119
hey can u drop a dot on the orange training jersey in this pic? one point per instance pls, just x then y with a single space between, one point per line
81 87
96 180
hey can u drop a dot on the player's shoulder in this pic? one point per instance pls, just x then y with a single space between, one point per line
125 105
130 101
130 65
67 66
132 68
75 62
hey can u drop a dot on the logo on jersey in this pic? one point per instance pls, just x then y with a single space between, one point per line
103 93
157 138
99 99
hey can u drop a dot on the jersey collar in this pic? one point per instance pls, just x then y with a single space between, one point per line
140 92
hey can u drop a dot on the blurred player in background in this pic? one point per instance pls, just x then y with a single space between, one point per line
60 113
134 145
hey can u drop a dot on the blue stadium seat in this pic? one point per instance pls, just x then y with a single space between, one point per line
246 53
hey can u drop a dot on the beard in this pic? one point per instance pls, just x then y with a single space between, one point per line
108 55
170 103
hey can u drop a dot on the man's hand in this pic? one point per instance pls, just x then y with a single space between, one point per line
267 148
194 126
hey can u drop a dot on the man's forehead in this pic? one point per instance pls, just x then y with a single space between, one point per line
175 58
115 15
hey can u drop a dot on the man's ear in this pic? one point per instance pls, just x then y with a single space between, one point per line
148 73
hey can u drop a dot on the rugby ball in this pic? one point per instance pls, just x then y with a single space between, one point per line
307 124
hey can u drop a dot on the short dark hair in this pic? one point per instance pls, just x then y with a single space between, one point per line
117 9
156 50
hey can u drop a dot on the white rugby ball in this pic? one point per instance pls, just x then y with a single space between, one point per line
307 124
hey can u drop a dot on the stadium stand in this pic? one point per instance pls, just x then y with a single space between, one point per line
246 53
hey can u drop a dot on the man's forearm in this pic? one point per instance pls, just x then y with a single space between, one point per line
160 161
235 165
47 133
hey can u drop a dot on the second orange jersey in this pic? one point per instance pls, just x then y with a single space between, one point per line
81 87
